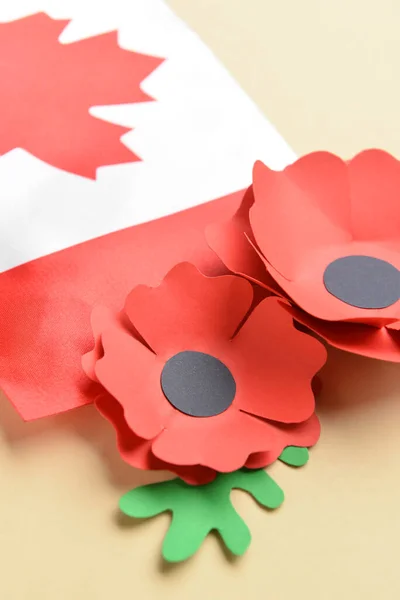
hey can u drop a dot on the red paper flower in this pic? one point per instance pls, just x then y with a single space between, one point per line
199 390
48 88
326 235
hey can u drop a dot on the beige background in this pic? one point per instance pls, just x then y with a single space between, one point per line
326 73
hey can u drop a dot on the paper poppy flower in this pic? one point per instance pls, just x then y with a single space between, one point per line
326 235
192 384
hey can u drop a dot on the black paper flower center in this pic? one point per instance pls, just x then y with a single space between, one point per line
363 281
198 384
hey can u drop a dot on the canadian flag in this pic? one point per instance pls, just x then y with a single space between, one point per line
118 128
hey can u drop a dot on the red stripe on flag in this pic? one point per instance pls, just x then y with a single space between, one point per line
45 304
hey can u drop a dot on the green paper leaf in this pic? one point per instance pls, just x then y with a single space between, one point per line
295 456
197 510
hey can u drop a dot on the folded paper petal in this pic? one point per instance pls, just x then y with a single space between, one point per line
100 318
274 364
230 241
309 294
223 443
374 177
131 373
303 434
382 343
300 210
188 309
137 452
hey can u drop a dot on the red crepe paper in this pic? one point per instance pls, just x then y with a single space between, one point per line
48 87
45 304
272 363
293 224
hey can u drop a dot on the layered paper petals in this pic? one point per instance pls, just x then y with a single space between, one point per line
298 222
186 307
374 178
382 343
233 242
271 363
300 210
304 435
274 365
223 444
137 452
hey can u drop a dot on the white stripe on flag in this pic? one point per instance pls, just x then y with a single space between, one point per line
197 141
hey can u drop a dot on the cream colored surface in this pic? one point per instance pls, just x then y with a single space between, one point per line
326 73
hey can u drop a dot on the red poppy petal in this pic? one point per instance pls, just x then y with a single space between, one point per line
313 298
222 443
134 450
374 177
131 373
310 294
316 385
273 364
304 434
301 209
137 452
230 242
382 343
194 475
188 310
260 460
100 318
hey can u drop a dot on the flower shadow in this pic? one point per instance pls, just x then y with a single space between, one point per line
351 382
130 525
84 424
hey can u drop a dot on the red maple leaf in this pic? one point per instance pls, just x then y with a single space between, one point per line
47 89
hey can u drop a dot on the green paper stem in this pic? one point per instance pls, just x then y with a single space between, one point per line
295 456
197 510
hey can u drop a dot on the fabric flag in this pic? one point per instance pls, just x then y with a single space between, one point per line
118 128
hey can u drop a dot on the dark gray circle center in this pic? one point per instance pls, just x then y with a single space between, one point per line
198 384
363 281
